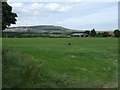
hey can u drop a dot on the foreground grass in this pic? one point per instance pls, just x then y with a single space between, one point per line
20 70
87 62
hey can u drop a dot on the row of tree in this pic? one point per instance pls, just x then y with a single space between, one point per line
93 33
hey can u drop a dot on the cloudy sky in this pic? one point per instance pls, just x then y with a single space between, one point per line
73 15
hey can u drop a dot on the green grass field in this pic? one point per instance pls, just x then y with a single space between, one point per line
87 62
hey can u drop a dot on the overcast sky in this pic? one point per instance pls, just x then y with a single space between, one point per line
73 15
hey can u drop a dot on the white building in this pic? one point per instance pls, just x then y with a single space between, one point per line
79 35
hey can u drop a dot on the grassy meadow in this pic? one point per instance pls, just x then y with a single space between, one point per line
86 63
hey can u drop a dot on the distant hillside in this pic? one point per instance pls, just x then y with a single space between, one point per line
48 28
41 28
44 28
105 31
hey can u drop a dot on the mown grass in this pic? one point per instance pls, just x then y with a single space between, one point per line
22 71
86 63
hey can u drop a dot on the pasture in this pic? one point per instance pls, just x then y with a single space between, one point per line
86 63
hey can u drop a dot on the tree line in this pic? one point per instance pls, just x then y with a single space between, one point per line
93 33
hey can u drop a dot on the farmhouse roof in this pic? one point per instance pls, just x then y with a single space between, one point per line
79 34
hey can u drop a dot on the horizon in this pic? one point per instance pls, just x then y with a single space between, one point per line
72 15
62 27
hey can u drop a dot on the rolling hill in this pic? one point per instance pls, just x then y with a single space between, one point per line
40 28
48 28
45 28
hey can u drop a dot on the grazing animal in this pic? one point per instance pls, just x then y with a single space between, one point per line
69 43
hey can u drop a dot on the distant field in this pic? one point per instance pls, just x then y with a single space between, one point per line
91 61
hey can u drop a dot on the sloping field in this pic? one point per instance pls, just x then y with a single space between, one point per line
87 62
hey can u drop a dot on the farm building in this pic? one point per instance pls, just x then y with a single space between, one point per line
79 35
111 34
